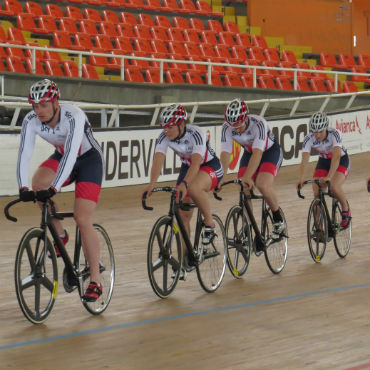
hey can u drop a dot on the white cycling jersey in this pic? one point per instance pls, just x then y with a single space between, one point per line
71 137
257 135
325 147
194 140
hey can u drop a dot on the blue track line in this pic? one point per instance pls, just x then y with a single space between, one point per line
213 310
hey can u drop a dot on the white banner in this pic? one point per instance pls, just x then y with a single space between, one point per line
129 153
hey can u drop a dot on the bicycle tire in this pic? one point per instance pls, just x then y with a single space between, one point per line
212 265
239 241
36 276
317 230
342 236
276 253
107 273
164 259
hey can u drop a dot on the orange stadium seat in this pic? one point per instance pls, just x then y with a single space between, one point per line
328 60
159 46
67 24
54 10
272 55
187 6
171 4
286 73
349 86
215 79
303 66
239 52
283 83
174 77
110 16
39 68
15 64
226 38
140 64
83 41
124 44
163 21
208 37
126 30
215 25
104 42
266 82
33 8
15 36
347 60
360 69
52 55
25 22
197 24
195 66
232 79
156 5
145 19
323 76
247 80
302 84
190 35
364 60
109 29
2 35
158 33
175 34
92 14
203 7
193 77
133 75
89 27
243 39
89 71
256 54
181 22
143 46
128 18
317 84
142 31
177 48
152 75
13 7
53 68
271 72
258 40
70 68
47 22
232 27
330 85
74 12
288 56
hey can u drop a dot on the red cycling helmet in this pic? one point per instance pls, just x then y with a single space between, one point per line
43 91
236 113
172 115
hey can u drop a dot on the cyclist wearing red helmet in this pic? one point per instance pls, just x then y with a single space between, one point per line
201 170
262 155
333 164
77 158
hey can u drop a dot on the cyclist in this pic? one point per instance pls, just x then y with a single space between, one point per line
77 158
333 164
200 171
262 155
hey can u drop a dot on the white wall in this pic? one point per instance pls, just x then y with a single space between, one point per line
128 154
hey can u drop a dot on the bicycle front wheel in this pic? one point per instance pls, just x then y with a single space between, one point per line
36 275
212 264
107 273
239 242
164 257
342 236
317 230
276 252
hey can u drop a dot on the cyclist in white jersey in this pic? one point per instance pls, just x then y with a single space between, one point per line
77 158
333 164
201 170
262 155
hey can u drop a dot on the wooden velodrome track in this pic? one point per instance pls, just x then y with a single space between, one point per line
311 316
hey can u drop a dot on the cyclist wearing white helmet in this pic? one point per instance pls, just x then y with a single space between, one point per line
77 158
201 170
333 164
262 155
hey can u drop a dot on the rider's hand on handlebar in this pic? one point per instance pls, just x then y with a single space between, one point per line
148 191
182 190
26 195
323 181
248 183
45 194
299 185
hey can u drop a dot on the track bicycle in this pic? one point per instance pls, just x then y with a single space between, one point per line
323 225
244 236
165 255
36 269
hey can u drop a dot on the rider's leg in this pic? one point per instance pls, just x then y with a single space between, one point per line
264 183
198 189
337 190
83 214
42 179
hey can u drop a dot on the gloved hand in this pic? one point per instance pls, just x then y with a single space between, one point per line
26 195
45 194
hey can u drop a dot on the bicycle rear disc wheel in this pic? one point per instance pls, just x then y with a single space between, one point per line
164 257
342 236
317 230
36 275
107 273
276 253
239 242
211 268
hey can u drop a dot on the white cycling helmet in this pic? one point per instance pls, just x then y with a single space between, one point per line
319 121
236 113
173 115
43 91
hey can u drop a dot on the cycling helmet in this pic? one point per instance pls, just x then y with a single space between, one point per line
43 91
236 113
319 121
172 115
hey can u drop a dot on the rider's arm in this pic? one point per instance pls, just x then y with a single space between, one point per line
335 159
253 164
157 166
225 160
302 166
